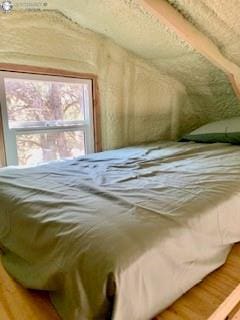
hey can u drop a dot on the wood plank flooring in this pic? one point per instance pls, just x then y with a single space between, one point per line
17 303
202 300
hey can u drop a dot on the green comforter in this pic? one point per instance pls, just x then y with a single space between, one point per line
121 234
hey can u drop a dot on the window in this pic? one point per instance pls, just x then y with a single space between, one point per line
45 117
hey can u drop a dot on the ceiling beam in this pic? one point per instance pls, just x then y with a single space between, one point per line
168 15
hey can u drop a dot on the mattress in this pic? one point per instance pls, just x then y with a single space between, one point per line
121 234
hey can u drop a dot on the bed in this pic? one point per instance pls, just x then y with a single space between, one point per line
121 234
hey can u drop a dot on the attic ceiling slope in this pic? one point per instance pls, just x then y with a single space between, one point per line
130 26
197 39
218 19
125 22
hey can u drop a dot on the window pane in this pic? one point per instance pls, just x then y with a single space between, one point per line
34 148
38 100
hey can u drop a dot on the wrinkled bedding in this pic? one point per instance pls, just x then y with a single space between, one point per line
121 234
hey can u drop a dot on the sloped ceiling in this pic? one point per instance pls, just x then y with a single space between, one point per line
129 25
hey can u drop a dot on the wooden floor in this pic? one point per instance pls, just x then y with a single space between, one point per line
202 300
17 303
199 303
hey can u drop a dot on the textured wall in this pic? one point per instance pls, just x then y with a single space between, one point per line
218 20
138 102
211 96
